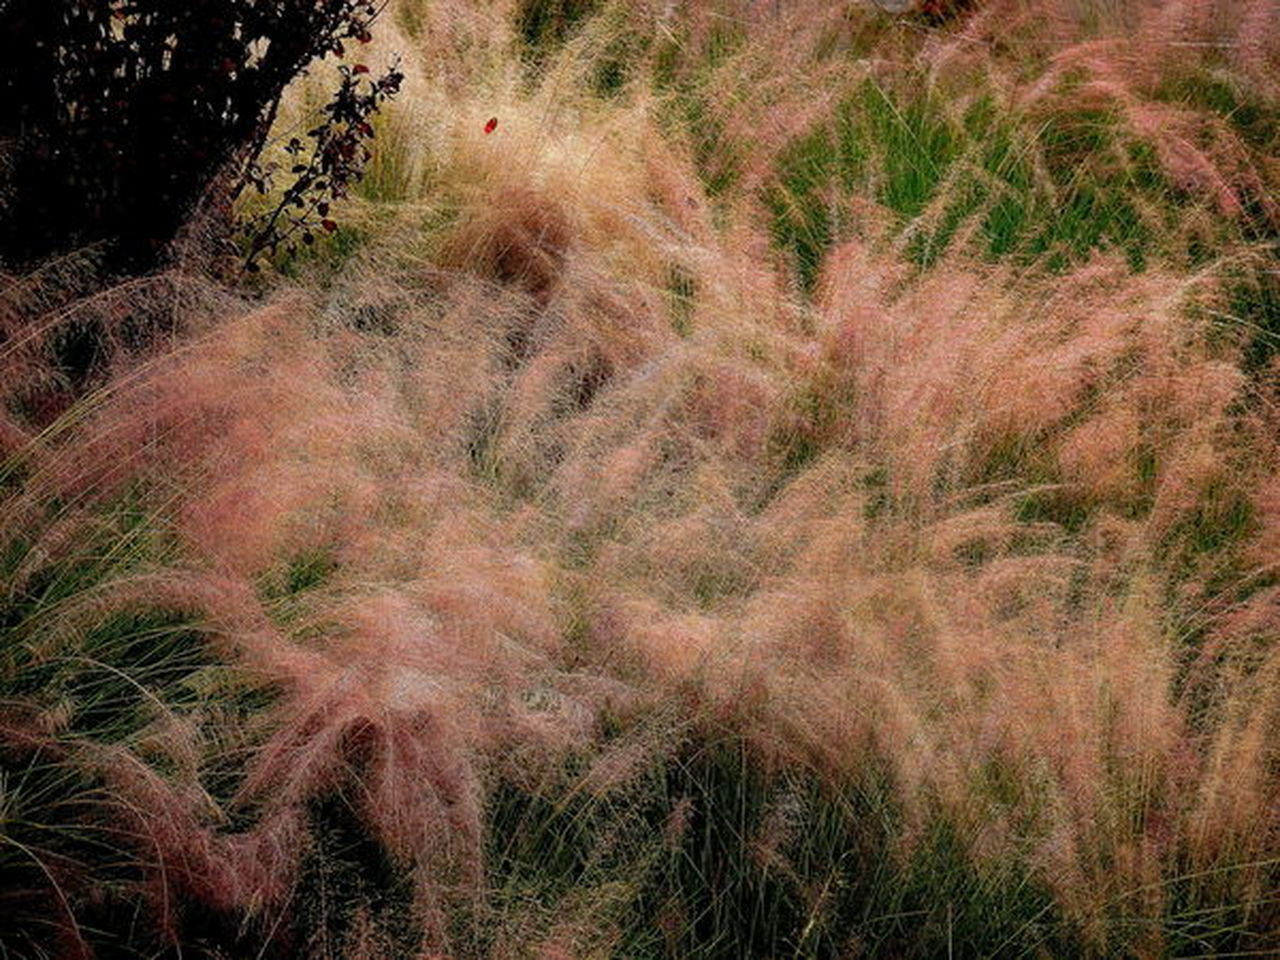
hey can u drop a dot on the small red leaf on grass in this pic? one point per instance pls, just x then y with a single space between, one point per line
329 225
492 125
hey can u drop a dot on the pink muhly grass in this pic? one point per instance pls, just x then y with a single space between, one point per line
932 523
251 873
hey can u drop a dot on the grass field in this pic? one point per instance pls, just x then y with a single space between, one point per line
804 484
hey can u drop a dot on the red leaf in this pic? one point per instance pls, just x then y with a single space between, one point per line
329 225
359 68
492 125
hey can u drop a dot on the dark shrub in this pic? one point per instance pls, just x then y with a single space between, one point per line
119 114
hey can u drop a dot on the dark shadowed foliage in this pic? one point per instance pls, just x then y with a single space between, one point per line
120 114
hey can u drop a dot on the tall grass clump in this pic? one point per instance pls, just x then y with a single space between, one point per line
803 482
